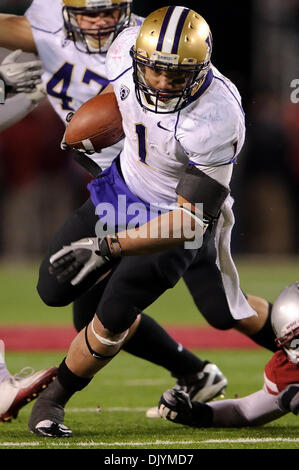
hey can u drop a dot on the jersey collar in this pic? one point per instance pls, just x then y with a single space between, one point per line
206 83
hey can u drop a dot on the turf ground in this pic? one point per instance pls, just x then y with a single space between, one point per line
128 386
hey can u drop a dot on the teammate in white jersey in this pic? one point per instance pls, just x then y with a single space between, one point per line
173 146
72 40
280 394
73 62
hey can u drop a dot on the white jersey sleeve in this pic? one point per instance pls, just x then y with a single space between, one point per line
253 410
45 15
118 56
14 109
212 133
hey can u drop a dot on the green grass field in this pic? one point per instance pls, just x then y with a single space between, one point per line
20 303
128 386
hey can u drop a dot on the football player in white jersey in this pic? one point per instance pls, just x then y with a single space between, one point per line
280 394
71 38
184 127
71 41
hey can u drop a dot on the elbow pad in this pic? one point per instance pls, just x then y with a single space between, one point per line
197 187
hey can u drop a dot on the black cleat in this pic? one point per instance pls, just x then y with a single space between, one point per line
203 386
48 428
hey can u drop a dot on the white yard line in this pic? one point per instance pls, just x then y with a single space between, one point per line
145 443
114 408
252 439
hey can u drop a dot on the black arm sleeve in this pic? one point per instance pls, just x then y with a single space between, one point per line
197 187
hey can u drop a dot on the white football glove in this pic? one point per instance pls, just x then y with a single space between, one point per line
20 76
74 262
288 399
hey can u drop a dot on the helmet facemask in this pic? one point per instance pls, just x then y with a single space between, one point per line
164 101
290 344
95 40
175 42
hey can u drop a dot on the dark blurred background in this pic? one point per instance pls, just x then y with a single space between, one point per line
256 46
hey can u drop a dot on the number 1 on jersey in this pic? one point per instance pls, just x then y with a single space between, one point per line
141 134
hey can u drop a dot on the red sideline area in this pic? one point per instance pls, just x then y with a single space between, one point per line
58 338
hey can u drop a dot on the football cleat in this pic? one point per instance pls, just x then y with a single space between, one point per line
203 386
48 428
19 390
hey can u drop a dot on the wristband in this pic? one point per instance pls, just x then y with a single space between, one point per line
114 246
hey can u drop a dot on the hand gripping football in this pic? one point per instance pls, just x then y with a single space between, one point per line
96 125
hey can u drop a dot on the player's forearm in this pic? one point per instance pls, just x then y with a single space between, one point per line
16 33
161 233
253 410
14 110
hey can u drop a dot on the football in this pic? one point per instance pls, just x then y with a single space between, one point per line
97 124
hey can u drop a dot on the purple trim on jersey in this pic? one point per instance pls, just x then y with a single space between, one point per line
164 27
125 71
207 82
233 160
232 94
178 32
45 31
176 125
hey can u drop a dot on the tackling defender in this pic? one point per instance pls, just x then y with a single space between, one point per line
175 104
72 42
280 394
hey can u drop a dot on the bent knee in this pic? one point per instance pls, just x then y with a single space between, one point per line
115 317
218 315
52 298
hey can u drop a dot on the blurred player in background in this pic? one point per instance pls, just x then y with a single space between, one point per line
165 143
280 394
23 81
